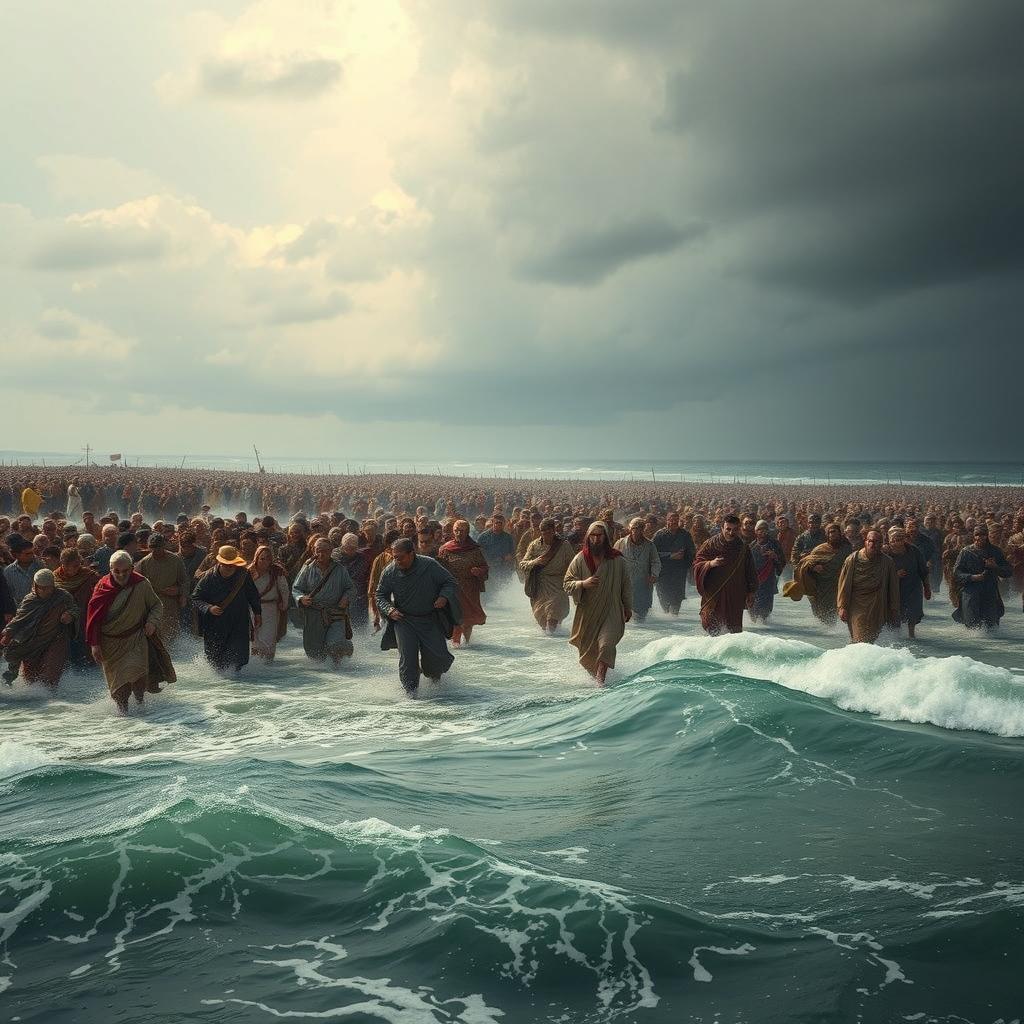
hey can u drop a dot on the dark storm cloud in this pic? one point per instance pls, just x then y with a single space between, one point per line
646 24
871 148
292 78
587 256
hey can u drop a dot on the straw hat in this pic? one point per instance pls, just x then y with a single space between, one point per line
228 555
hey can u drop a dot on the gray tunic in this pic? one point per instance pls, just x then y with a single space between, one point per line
321 637
642 561
420 634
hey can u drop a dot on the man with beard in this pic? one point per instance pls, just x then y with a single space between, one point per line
643 565
544 566
598 581
419 598
809 539
121 626
499 550
358 562
323 593
676 550
723 570
167 575
978 569
868 594
577 537
818 573
912 571
224 598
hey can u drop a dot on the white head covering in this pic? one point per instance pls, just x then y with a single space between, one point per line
119 558
44 578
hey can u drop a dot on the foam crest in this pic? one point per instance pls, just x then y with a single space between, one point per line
18 758
952 693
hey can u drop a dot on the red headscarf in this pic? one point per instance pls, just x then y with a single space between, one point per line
609 552
99 604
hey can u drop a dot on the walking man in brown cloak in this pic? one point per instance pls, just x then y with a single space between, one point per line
723 570
818 573
868 596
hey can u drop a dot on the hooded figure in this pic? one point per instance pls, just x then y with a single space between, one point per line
36 640
598 581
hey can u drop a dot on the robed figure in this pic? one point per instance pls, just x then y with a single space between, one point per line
598 581
979 568
121 630
723 570
323 592
868 595
818 574
225 597
676 550
419 598
544 566
37 639
465 560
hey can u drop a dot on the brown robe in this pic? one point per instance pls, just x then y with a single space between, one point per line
163 574
80 587
549 601
470 586
822 587
869 593
38 639
723 589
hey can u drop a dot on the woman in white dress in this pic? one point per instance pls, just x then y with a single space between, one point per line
272 583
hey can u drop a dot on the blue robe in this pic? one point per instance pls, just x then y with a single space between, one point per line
980 602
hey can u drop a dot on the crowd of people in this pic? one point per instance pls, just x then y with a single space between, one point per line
112 569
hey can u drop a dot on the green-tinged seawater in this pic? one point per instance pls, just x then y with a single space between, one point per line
761 828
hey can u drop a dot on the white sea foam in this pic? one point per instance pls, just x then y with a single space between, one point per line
17 758
954 693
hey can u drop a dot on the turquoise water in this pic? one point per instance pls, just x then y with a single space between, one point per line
770 827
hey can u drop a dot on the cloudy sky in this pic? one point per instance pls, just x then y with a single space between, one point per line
513 228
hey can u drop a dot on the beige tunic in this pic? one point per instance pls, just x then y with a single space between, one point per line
551 602
600 618
163 573
869 593
122 640
264 639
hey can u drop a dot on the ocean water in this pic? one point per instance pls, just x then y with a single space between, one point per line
721 471
769 827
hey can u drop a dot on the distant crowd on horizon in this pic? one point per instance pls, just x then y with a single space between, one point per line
114 567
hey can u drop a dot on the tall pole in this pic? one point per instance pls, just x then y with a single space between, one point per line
258 463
